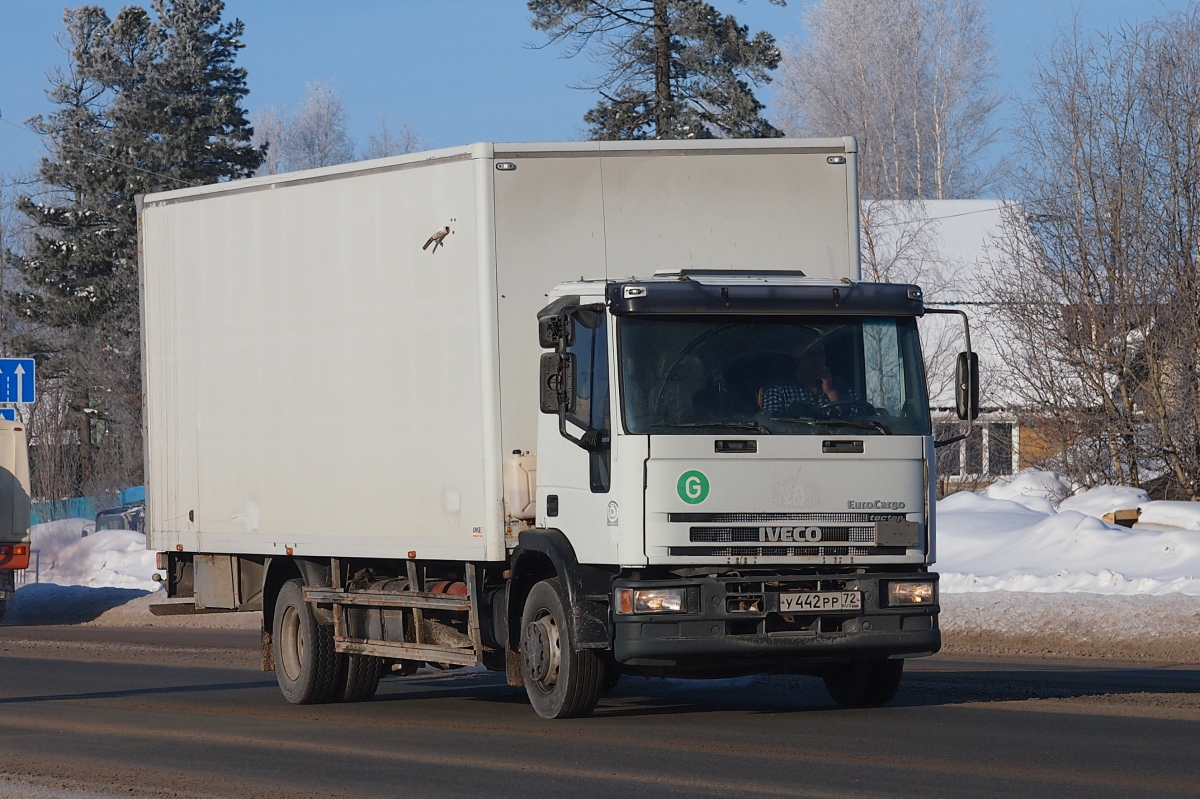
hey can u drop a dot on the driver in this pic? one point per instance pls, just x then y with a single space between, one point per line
812 385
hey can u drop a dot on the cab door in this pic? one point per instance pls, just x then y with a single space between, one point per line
574 484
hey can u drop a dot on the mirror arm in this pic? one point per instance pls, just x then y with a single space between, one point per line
967 340
591 439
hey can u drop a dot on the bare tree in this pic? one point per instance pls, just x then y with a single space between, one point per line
910 78
318 135
390 141
270 131
901 243
1102 312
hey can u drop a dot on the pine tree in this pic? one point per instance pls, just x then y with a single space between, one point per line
673 69
148 102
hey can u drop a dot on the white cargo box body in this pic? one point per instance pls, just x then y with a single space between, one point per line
316 380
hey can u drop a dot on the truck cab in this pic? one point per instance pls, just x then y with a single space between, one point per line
751 454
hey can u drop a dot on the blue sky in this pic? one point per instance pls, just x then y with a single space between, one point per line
456 70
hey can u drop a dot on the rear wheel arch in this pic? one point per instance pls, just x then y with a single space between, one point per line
278 571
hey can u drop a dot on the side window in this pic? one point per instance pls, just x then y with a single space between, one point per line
590 349
882 362
591 369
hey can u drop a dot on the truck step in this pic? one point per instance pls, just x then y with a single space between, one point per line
381 599
407 651
184 609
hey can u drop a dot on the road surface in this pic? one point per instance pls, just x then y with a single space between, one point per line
93 712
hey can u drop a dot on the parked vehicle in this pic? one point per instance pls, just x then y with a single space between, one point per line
123 517
14 507
544 407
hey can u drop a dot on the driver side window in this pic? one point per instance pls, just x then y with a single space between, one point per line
590 349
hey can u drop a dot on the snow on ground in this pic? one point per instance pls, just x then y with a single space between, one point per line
1028 535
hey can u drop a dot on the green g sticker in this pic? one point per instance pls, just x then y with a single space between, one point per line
692 487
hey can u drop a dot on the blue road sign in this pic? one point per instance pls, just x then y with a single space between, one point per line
16 380
8 413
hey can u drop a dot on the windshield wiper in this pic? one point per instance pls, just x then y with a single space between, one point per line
751 425
845 422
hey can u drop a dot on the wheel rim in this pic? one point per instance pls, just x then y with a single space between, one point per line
291 647
541 651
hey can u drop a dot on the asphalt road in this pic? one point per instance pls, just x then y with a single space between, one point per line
87 712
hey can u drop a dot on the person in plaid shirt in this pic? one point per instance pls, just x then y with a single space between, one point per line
814 385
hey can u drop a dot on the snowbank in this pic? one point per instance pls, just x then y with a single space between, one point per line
1106 499
1023 536
102 579
1036 490
1170 514
101 559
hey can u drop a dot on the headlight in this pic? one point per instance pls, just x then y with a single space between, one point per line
911 594
649 600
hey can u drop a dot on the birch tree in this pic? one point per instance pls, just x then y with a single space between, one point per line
911 79
318 135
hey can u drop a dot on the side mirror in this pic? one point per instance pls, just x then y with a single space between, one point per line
557 382
550 331
966 385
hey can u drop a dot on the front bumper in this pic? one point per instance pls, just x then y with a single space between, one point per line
724 630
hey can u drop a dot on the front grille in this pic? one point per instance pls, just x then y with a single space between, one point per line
793 518
769 551
858 535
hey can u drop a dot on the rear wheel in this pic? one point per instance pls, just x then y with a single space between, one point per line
363 673
306 665
560 682
864 683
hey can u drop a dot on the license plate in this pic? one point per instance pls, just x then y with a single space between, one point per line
820 601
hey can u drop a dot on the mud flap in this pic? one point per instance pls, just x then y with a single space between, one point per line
268 653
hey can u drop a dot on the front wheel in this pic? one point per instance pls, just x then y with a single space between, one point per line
561 683
864 683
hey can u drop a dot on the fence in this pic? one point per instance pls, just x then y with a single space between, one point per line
82 507
21 577
75 508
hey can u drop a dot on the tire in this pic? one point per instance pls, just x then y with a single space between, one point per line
864 683
306 665
363 673
561 683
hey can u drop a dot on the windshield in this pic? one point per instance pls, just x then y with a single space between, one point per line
771 375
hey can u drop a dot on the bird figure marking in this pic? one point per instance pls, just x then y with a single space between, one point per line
437 238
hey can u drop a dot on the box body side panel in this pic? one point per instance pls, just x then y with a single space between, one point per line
744 211
314 375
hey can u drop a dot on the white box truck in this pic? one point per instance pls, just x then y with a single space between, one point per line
570 411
